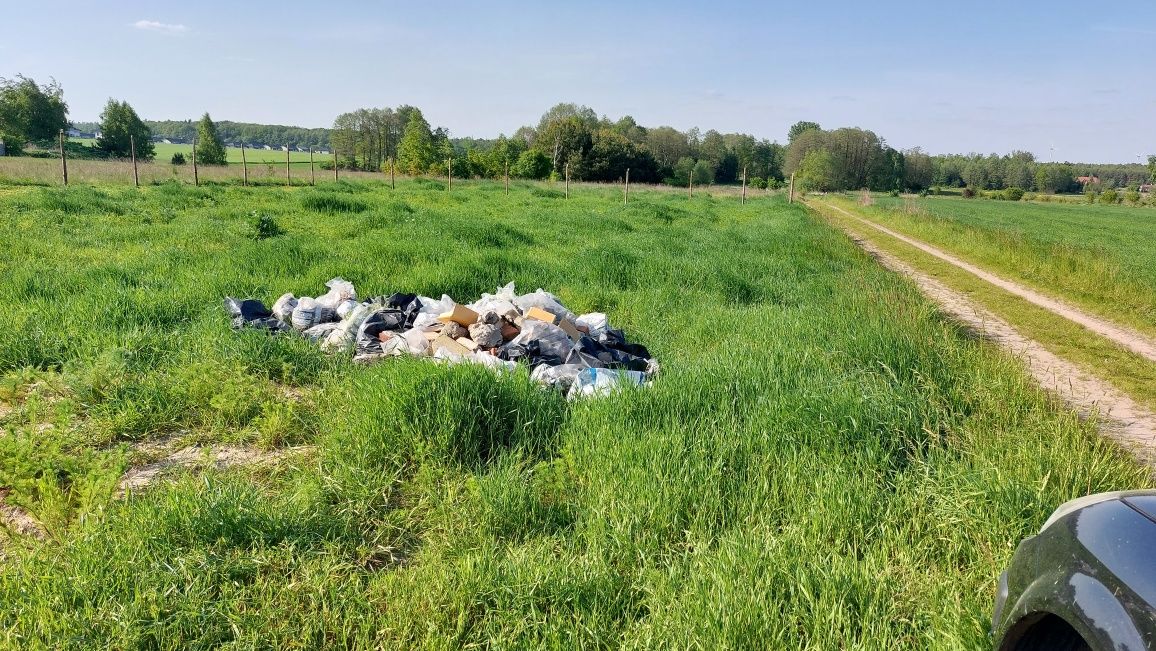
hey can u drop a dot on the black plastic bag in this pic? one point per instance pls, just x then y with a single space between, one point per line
251 313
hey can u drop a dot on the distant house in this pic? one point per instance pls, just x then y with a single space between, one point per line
1085 180
284 148
77 133
268 148
166 141
1147 188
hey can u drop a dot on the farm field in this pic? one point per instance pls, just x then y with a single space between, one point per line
164 153
824 462
1101 258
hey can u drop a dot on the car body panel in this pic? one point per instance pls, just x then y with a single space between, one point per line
1094 567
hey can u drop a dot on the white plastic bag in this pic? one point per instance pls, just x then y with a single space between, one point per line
339 290
283 308
598 382
561 376
596 322
304 315
544 300
415 342
501 302
436 307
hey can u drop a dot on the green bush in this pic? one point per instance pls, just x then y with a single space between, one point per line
1090 196
1132 197
758 183
1109 197
967 193
178 159
266 226
1013 194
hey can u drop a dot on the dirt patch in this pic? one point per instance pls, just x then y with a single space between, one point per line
1119 417
1126 337
18 521
203 457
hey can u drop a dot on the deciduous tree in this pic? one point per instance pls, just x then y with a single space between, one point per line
30 112
118 122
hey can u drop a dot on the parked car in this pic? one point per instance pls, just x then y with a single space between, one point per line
1087 580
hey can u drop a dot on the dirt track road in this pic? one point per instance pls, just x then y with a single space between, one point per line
1126 337
1120 417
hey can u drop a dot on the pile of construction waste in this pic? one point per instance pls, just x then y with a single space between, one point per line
579 354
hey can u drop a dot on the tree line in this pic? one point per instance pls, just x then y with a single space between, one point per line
573 140
567 139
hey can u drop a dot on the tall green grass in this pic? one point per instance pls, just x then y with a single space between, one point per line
1097 256
823 462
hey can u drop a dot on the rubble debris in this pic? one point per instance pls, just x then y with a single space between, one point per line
581 355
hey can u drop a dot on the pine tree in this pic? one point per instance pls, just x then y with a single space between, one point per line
117 123
415 152
210 148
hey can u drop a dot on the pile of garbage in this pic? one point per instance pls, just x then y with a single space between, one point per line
578 354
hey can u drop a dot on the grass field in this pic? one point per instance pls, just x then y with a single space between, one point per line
1102 258
824 462
164 153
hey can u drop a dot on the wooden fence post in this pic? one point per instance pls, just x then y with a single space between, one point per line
312 170
135 173
507 177
690 184
196 178
449 172
567 180
791 191
626 189
288 178
63 158
392 184
244 164
744 186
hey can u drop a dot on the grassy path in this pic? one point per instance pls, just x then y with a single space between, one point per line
1121 417
1126 337
1092 374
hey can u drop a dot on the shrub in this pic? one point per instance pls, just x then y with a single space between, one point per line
1132 197
1046 198
1090 196
967 193
774 184
923 192
1013 194
178 159
1109 197
894 193
758 182
265 226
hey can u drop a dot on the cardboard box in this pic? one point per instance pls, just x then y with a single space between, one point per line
461 315
450 345
539 314
571 330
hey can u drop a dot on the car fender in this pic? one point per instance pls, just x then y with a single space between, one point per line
1081 600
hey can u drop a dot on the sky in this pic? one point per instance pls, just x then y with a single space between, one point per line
1064 80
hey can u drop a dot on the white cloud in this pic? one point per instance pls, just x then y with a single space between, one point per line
164 28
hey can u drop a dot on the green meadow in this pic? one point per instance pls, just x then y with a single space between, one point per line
1100 257
823 462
